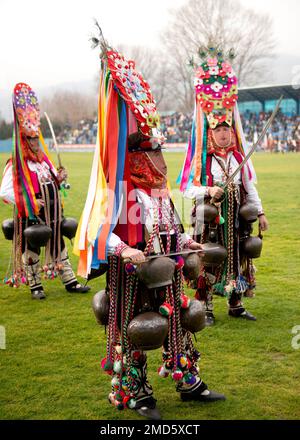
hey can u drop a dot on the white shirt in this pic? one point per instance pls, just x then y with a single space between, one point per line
150 207
7 187
194 192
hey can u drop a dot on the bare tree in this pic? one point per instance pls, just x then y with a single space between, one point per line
225 23
69 107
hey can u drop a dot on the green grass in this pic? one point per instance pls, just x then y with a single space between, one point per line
50 368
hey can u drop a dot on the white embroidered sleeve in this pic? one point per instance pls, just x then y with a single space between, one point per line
252 194
113 242
195 192
7 187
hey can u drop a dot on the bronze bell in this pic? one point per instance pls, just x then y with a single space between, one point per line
148 331
249 212
38 235
8 228
100 304
191 268
213 257
206 212
193 318
251 247
68 227
157 272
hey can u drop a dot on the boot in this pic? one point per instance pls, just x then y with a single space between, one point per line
77 288
240 312
200 393
38 294
147 408
209 319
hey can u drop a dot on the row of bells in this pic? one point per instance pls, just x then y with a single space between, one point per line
38 235
148 331
208 212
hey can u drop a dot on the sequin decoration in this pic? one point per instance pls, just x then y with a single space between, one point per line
135 91
27 109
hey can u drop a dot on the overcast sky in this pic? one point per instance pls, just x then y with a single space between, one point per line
45 42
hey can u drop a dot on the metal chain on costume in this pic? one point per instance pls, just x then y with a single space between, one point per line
230 230
46 198
130 297
112 324
178 293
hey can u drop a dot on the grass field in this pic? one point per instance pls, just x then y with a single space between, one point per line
50 368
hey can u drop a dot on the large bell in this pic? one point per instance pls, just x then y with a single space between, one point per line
193 318
191 268
37 235
249 212
206 212
68 227
216 254
100 304
251 247
148 331
8 228
157 272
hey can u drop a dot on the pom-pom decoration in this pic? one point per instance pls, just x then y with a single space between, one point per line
181 361
131 403
177 375
117 367
166 309
179 262
107 366
162 371
184 301
189 379
130 268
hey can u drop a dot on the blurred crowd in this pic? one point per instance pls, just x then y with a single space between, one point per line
84 133
283 135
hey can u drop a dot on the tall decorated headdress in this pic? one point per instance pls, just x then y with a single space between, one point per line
26 124
216 95
125 106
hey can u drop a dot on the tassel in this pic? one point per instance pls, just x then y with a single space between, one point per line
241 284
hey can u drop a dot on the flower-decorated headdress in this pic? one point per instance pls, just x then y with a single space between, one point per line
126 106
26 124
216 86
216 97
